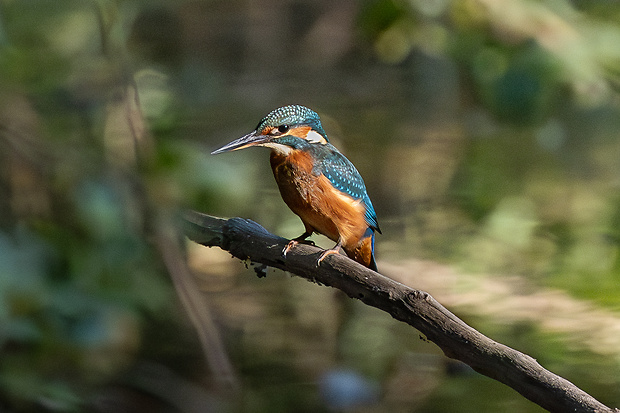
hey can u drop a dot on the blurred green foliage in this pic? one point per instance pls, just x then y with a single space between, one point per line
487 133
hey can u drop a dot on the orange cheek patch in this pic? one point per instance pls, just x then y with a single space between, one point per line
299 131
306 132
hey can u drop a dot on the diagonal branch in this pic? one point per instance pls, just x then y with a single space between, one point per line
246 239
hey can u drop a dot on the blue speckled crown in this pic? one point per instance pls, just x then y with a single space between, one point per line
292 115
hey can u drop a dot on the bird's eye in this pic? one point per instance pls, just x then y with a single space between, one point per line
283 128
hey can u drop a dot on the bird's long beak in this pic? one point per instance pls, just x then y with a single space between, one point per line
246 141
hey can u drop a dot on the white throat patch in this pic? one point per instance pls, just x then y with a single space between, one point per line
279 148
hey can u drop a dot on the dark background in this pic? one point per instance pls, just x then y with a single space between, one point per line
486 132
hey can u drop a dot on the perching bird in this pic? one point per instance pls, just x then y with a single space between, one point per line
316 181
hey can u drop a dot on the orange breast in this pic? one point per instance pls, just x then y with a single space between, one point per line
320 206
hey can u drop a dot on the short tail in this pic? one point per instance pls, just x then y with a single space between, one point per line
373 263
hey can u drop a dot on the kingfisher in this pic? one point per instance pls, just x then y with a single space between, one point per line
316 181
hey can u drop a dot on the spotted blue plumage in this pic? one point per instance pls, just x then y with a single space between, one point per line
331 163
301 157
341 173
344 176
292 115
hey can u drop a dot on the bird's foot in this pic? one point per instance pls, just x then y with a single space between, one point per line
294 242
335 250
325 254
288 247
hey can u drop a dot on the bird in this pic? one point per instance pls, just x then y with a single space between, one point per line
316 181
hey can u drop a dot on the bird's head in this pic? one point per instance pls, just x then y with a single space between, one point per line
284 129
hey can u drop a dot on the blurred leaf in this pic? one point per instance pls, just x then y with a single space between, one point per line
378 15
521 87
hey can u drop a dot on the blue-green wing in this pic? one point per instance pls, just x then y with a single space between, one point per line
345 177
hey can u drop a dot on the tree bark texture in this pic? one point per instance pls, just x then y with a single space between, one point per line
248 240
